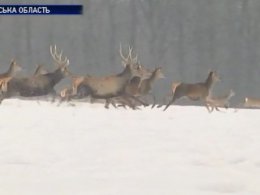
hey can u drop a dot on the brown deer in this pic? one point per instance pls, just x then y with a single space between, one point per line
135 63
6 76
42 84
219 102
142 88
146 85
251 102
196 91
108 87
13 69
3 82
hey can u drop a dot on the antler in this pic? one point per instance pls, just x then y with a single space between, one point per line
58 57
129 58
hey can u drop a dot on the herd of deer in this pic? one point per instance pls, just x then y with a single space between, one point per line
129 88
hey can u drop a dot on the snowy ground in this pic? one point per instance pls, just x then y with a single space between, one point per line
86 149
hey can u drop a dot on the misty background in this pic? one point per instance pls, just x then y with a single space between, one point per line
186 37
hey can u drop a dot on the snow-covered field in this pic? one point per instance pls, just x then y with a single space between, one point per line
88 150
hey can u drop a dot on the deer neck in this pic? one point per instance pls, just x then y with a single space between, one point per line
56 76
11 70
126 74
209 81
230 95
153 77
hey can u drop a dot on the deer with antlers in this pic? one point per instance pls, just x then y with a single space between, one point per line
196 91
108 87
41 84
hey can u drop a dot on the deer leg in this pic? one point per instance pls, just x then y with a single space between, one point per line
63 99
2 97
124 102
69 101
219 110
170 102
159 106
226 105
108 101
53 95
60 102
148 97
92 100
137 100
122 105
111 101
164 100
154 100
145 99
131 103
209 107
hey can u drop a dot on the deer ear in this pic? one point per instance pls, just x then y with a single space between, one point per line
209 70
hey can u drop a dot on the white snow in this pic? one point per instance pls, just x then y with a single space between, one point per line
87 149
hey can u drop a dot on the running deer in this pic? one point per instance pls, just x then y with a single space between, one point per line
252 102
135 63
134 84
6 76
196 91
4 82
11 72
219 102
139 88
13 69
108 87
42 84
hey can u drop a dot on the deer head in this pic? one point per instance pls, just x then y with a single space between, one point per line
214 76
61 63
14 67
136 68
158 73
